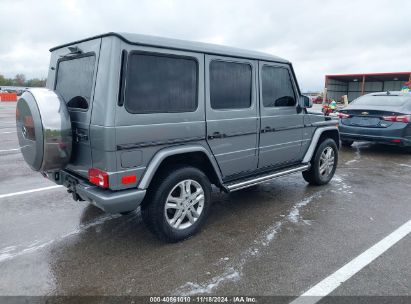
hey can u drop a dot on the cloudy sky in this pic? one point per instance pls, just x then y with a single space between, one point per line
319 37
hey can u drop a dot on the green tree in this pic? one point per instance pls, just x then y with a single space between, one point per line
5 81
2 80
36 82
20 80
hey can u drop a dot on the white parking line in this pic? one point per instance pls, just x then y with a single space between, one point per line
330 283
8 132
29 191
17 149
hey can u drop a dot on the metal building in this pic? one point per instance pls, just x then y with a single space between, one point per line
355 85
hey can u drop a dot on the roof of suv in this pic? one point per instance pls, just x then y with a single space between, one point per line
183 45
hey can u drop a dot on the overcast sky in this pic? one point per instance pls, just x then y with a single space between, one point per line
319 37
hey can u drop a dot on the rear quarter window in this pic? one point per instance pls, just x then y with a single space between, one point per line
75 80
157 83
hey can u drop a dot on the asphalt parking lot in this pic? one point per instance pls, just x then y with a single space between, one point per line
281 238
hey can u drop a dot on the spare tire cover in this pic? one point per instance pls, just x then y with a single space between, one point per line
44 130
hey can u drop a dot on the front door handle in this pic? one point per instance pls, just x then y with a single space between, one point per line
267 129
216 135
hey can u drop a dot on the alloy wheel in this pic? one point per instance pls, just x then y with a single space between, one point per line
184 205
327 161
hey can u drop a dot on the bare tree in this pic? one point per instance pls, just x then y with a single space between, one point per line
20 79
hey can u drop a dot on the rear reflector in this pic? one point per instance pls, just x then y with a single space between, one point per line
98 177
398 118
396 141
128 179
343 115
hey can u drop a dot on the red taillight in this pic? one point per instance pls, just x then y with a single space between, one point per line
343 115
98 177
128 179
398 118
397 141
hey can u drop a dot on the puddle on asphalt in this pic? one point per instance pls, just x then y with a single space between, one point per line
232 270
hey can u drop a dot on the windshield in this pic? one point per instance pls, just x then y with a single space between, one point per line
382 100
75 81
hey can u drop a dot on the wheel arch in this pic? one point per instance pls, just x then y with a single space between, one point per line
194 155
319 136
333 134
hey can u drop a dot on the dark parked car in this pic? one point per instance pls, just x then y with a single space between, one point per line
378 117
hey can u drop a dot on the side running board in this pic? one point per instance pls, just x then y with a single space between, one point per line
255 180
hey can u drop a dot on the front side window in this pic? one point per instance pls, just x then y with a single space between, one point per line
160 84
277 88
230 85
75 81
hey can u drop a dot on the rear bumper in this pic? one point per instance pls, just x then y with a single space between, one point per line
108 200
111 201
375 138
397 134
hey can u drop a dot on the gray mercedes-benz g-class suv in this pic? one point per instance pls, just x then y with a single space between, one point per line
129 120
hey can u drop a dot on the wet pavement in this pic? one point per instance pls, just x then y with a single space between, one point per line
279 238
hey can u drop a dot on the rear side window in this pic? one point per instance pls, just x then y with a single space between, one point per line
230 85
160 84
277 88
75 81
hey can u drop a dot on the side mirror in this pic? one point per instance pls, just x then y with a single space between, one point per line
305 102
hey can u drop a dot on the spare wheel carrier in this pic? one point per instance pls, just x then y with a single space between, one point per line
44 130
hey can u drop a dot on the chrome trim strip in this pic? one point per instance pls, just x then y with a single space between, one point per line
233 134
262 179
269 129
282 144
160 124
158 143
236 118
237 151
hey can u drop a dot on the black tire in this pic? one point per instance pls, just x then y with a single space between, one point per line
347 143
153 208
313 175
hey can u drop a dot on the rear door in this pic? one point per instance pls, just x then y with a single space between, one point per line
161 104
232 120
282 123
75 74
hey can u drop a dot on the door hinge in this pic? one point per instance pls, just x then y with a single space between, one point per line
80 135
